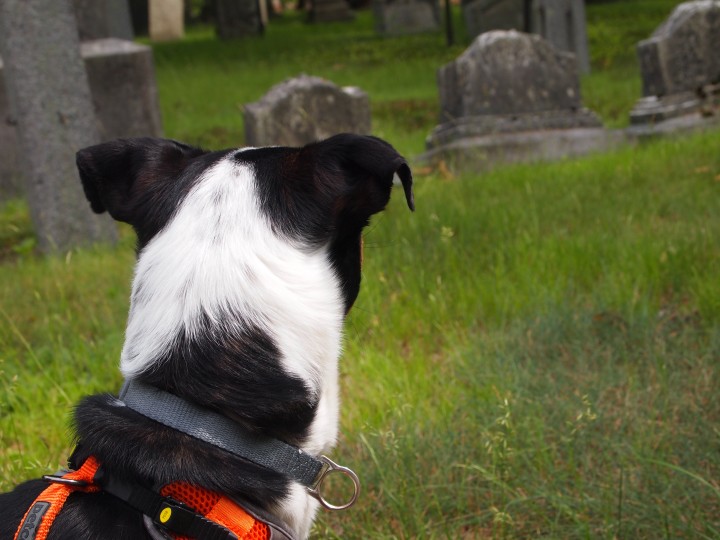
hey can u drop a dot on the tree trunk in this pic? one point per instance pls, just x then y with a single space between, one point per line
50 100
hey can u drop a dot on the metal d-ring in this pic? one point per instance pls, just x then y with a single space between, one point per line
332 467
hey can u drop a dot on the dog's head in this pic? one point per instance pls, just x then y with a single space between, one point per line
322 194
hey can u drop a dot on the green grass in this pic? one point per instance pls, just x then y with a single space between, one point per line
534 351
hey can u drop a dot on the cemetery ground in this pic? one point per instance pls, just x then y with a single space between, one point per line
533 353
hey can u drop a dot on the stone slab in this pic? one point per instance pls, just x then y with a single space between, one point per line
562 23
330 11
482 153
98 19
121 77
400 17
238 19
508 72
166 19
481 125
306 109
485 15
683 54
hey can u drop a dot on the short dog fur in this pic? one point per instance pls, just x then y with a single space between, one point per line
248 262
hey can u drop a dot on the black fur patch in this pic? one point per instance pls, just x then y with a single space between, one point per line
236 369
141 181
326 192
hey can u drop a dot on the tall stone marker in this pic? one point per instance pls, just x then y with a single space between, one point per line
561 22
124 95
166 19
398 17
50 100
680 68
98 19
306 109
511 97
330 11
238 18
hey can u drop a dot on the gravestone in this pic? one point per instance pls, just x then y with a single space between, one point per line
511 96
330 10
484 15
124 95
398 17
166 19
680 69
238 18
50 100
306 109
561 22
97 19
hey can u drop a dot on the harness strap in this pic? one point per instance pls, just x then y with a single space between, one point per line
37 521
185 511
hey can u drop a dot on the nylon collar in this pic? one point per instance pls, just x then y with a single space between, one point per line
220 431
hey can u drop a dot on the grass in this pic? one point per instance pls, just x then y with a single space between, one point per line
534 351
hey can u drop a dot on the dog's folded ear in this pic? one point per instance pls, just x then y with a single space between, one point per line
119 176
363 169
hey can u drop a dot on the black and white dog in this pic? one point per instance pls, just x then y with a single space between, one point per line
248 262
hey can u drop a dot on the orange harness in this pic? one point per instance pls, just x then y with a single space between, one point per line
215 507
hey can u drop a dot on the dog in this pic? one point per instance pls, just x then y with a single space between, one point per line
248 261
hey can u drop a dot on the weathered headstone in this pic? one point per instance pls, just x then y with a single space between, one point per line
306 109
680 68
511 96
122 83
397 17
561 22
238 18
166 20
484 15
50 100
330 10
98 19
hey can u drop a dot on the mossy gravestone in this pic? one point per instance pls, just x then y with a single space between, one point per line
306 109
680 69
50 101
511 97
397 17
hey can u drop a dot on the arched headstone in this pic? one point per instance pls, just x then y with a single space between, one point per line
306 109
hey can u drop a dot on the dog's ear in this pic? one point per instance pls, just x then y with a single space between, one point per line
120 176
360 170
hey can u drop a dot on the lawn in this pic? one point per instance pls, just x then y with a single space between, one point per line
534 352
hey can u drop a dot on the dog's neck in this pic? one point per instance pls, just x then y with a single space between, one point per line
229 314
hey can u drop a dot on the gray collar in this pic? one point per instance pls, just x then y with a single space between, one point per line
218 430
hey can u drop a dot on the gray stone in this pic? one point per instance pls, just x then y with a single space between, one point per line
508 72
683 54
50 98
98 19
122 83
398 17
680 69
512 96
561 22
166 19
306 109
485 15
330 11
238 18
485 152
